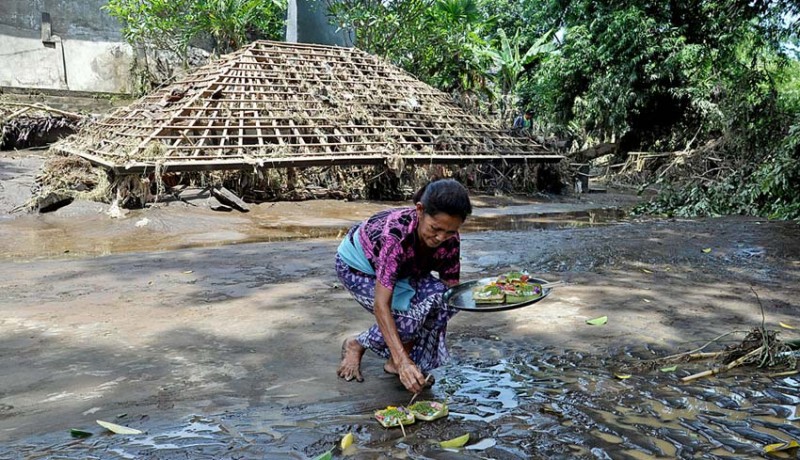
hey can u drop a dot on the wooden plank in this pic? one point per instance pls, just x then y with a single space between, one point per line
497 131
241 126
229 198
277 132
341 160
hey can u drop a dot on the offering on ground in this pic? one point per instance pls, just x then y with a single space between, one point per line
394 416
428 410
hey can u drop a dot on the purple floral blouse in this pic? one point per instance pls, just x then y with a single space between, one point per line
389 241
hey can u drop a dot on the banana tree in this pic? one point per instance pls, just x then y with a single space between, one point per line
509 62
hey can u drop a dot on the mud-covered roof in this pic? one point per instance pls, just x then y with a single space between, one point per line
274 104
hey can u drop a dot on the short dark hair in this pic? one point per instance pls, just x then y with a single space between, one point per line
444 195
529 112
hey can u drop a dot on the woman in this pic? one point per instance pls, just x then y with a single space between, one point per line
386 263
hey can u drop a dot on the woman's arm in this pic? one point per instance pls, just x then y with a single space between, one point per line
450 283
409 373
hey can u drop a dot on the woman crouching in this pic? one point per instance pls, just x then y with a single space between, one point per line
386 263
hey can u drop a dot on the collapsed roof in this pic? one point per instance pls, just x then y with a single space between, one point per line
274 104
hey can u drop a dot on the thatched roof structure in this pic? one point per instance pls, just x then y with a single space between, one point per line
276 104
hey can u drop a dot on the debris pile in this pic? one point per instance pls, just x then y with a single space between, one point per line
761 349
64 178
34 125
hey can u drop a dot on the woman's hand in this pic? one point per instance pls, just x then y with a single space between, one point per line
409 373
410 376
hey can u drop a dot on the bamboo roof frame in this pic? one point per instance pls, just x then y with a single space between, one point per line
274 104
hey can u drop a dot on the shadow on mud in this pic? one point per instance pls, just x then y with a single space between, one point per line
535 404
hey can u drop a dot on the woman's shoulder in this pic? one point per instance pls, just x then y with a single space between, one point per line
393 216
395 222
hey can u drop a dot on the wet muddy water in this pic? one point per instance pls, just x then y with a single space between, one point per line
93 233
532 404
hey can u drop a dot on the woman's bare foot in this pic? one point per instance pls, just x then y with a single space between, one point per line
350 367
390 368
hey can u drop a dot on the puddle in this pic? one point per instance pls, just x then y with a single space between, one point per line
514 220
532 406
48 236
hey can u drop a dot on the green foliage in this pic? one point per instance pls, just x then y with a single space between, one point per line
765 188
383 28
657 76
433 39
158 22
174 24
232 22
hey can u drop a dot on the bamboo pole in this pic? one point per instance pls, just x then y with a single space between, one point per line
706 355
727 367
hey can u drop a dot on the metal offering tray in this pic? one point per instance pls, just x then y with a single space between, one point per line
460 296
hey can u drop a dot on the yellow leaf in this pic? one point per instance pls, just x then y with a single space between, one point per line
347 441
787 326
647 271
186 272
597 321
118 429
456 442
669 369
781 446
622 376
706 250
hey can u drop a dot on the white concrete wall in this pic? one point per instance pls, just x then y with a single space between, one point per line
27 63
98 66
77 65
87 52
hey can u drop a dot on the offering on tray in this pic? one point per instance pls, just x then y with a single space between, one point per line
513 277
488 293
428 410
523 292
394 416
511 287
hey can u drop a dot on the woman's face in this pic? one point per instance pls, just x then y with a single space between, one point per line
434 230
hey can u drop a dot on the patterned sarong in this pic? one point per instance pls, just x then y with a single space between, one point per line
424 323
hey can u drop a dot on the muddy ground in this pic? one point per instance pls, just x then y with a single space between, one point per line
218 334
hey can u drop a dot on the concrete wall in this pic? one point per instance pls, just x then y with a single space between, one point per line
81 49
307 22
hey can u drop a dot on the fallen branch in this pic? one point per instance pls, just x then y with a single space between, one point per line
15 114
784 374
727 367
706 355
678 356
71 115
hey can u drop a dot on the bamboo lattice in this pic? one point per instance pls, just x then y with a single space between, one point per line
275 104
